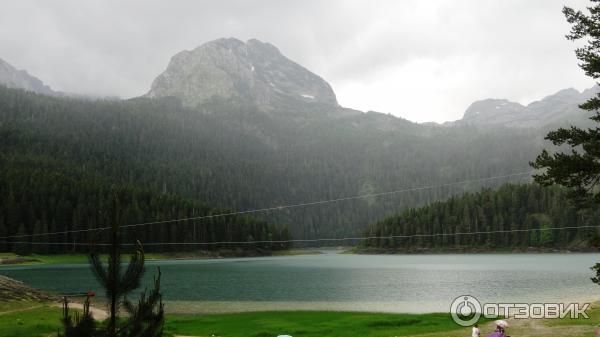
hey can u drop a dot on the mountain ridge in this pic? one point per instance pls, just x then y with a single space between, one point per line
257 73
12 77
552 109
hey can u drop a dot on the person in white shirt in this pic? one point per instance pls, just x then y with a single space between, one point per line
476 332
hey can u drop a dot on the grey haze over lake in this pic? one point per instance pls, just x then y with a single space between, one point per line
392 283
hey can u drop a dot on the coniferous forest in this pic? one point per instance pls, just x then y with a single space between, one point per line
39 195
509 208
232 155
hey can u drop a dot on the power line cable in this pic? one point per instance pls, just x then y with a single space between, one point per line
316 240
275 208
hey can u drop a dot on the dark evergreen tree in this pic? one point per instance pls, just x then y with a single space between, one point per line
22 247
146 319
3 232
578 169
81 325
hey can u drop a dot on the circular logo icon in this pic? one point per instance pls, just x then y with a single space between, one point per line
465 310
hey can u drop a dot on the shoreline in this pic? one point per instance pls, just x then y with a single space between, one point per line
200 307
467 250
12 259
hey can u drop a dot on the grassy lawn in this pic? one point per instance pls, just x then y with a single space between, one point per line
308 324
35 259
34 319
37 319
61 258
28 318
594 320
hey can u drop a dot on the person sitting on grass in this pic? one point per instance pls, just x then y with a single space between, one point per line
499 332
476 332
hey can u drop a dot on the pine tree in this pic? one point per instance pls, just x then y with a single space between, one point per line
3 232
579 169
37 238
23 247
145 319
82 325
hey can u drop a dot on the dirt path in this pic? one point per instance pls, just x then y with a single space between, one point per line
537 327
524 328
99 314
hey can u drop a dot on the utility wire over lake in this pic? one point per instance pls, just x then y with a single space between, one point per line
274 208
316 240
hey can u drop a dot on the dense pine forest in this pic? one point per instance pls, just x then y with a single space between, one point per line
511 207
231 155
39 195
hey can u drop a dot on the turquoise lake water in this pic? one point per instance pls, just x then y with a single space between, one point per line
395 283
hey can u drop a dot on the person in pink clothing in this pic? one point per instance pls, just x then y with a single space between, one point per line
475 332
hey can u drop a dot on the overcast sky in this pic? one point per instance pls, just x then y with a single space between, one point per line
421 60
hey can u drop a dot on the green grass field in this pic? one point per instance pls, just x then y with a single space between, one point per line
32 319
35 259
37 319
308 324
28 318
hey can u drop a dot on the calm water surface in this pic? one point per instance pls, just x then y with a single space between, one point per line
397 283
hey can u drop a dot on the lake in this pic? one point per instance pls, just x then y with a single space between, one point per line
391 283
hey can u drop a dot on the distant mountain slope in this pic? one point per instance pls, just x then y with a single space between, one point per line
254 72
14 78
239 157
559 108
214 130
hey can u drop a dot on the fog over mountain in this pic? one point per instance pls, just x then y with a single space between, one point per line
257 73
552 109
14 78
11 77
238 125
423 61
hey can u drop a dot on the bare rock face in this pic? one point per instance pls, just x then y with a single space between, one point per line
254 72
15 290
494 111
19 79
559 108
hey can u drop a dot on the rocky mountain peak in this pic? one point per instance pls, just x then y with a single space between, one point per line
253 71
491 108
558 108
14 78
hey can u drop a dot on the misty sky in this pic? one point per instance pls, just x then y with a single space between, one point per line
421 60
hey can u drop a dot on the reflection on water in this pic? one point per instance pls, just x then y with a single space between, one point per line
392 283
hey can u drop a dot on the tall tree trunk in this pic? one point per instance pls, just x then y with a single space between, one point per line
114 279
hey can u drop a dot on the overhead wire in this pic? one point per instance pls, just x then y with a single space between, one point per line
361 238
273 208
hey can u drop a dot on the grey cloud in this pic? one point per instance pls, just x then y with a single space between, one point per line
466 50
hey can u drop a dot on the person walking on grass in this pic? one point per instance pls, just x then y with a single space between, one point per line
475 332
